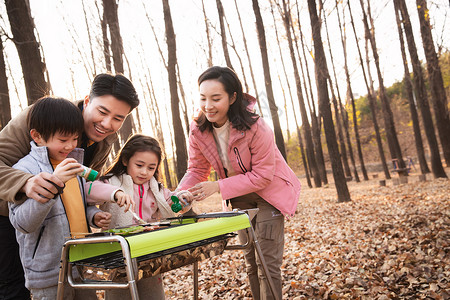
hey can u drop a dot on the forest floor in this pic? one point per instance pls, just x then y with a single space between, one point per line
389 242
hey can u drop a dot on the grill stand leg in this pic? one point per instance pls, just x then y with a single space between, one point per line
65 273
195 280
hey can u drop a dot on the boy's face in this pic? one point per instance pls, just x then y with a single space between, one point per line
103 116
59 145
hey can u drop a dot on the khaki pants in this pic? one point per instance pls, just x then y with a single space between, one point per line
269 228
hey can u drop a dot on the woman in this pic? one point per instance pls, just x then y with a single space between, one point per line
231 138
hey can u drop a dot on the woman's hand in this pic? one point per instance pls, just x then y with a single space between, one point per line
124 199
204 189
67 169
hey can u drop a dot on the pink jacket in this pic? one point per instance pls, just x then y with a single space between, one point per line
256 160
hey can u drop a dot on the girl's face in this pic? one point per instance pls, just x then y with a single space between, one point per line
215 101
142 166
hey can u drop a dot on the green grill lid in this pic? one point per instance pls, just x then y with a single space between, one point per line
151 242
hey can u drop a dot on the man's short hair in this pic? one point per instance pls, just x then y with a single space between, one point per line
50 115
115 85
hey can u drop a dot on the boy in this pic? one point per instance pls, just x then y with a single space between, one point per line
111 99
43 227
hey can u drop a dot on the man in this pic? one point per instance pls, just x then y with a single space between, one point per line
110 100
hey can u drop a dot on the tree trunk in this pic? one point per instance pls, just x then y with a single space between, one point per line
305 123
91 48
105 40
5 111
223 34
180 140
409 92
249 60
438 96
183 101
389 124
208 38
33 68
370 96
343 111
422 97
110 7
267 79
337 109
315 119
324 106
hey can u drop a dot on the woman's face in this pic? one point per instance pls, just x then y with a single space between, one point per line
215 101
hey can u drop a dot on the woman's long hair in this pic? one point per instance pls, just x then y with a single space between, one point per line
240 118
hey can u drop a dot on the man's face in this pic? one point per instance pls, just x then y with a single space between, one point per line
103 116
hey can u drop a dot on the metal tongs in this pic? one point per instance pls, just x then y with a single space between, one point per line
137 218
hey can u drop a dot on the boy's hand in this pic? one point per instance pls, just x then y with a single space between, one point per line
40 189
124 199
102 219
67 169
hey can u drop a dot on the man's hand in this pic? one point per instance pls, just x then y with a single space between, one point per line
124 199
40 187
102 219
67 169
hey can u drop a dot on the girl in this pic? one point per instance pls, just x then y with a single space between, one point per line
239 145
136 171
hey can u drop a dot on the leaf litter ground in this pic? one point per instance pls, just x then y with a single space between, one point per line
390 242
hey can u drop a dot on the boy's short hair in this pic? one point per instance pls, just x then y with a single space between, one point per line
50 115
115 85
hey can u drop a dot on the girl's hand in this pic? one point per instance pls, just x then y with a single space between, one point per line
124 199
204 189
185 196
67 169
102 219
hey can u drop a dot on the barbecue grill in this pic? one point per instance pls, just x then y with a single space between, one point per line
112 261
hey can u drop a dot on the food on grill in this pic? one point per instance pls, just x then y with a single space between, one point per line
126 231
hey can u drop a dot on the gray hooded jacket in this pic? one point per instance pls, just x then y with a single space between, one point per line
42 228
